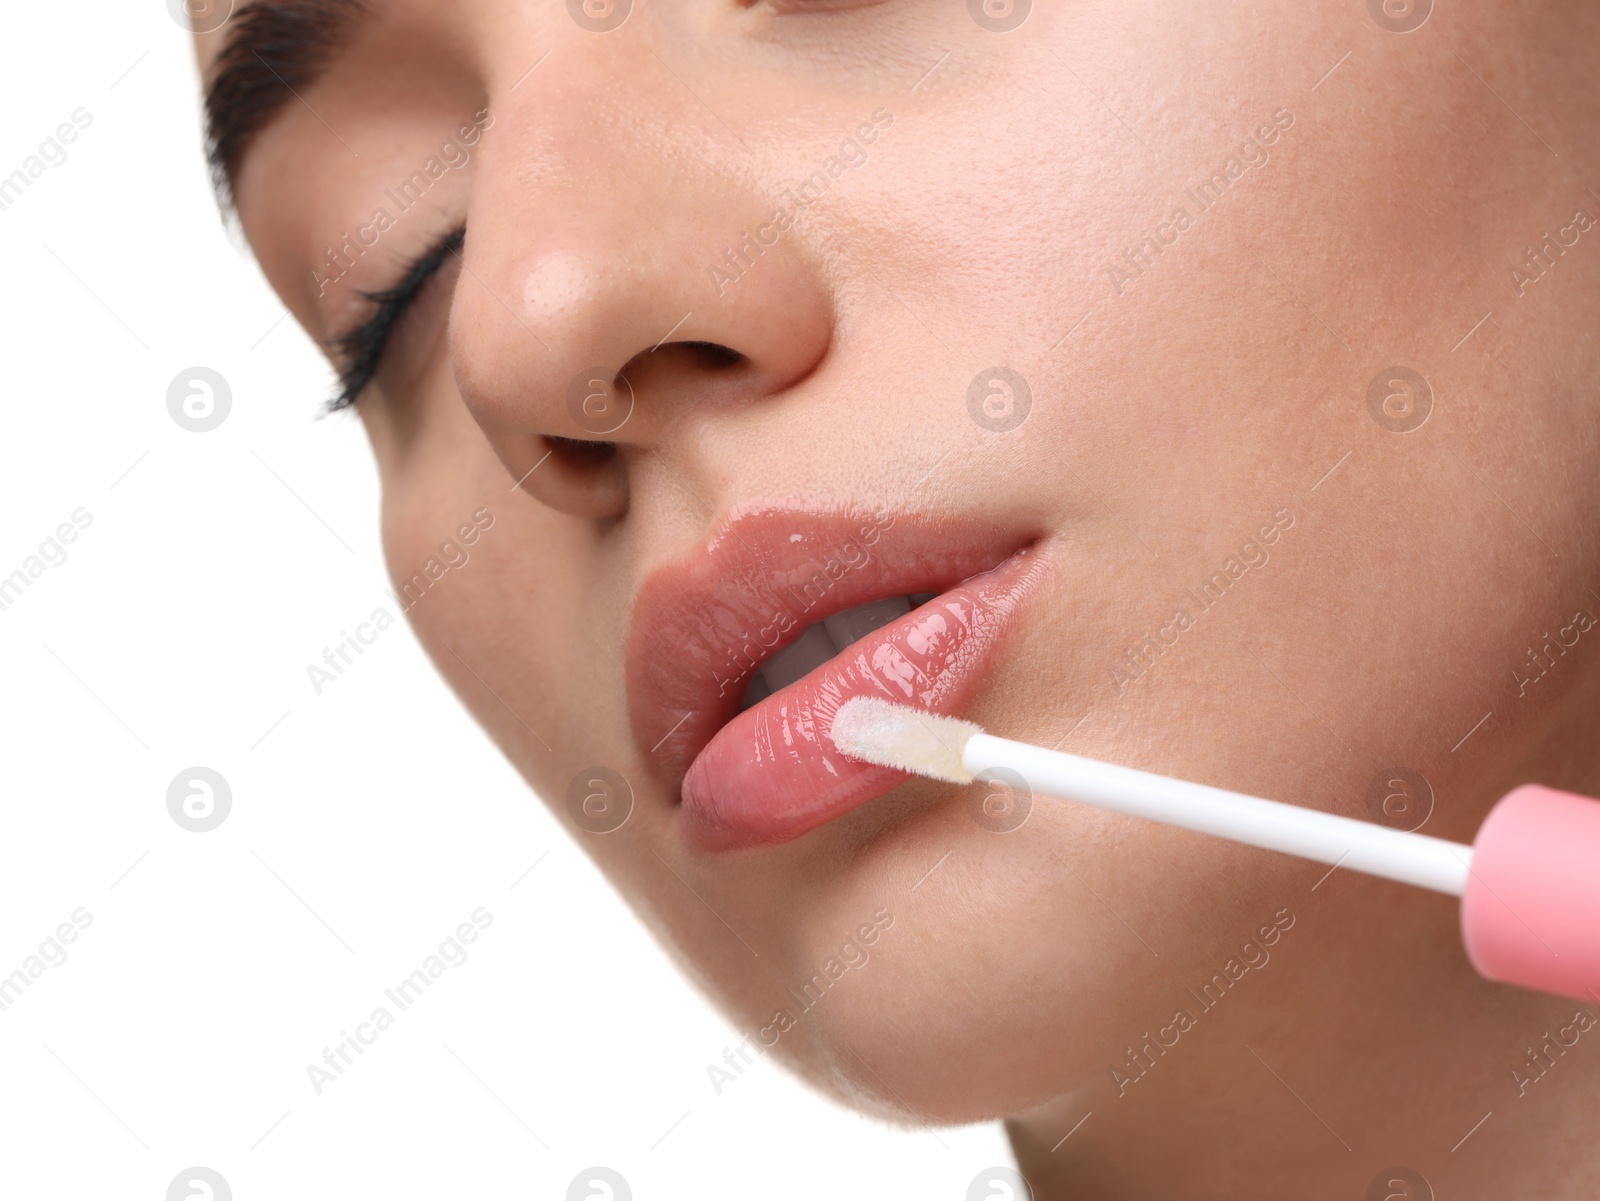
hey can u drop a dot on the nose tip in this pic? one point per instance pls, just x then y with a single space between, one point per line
560 287
598 306
610 324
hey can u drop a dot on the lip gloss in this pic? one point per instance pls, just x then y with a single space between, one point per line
772 773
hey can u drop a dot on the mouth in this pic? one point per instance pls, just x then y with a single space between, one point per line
739 657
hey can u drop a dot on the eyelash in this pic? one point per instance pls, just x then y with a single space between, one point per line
360 350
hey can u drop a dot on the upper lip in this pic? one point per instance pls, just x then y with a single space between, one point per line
702 625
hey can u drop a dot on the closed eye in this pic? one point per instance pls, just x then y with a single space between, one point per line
358 352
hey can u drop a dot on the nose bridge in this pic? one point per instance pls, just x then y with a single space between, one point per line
605 222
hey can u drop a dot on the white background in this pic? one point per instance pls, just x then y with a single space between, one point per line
366 822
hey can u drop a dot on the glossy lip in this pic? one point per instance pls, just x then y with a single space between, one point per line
702 626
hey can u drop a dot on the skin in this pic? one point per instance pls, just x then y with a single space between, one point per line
1175 411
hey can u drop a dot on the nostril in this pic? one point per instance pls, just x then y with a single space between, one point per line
686 359
575 476
713 356
580 453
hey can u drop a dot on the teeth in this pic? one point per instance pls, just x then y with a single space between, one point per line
825 639
854 624
812 649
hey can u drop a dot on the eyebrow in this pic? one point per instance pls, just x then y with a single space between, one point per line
273 50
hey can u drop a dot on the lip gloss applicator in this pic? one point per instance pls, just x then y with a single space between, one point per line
1529 884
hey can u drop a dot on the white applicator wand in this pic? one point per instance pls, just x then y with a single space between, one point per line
1529 885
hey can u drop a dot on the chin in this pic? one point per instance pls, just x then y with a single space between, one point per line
987 985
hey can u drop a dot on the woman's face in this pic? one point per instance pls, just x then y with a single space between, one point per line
1223 344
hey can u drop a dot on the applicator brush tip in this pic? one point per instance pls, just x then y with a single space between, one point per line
890 735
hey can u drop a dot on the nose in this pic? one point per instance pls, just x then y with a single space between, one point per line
624 270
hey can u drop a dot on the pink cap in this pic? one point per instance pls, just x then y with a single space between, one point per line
1530 914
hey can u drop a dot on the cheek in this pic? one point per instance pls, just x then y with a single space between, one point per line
528 634
506 621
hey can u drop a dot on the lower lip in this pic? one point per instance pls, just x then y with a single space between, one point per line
772 773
